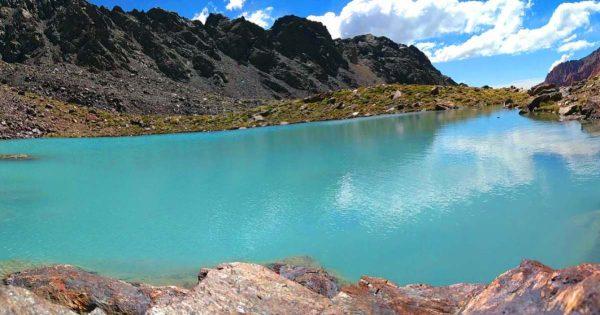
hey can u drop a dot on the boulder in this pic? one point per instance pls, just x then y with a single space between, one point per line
246 288
533 288
567 110
435 90
316 279
538 100
542 88
14 300
83 291
379 296
397 95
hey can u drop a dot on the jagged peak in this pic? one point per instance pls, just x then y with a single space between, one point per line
215 19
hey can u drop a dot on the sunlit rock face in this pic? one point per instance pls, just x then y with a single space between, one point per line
570 72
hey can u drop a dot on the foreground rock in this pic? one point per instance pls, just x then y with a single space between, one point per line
379 296
237 288
315 279
14 300
246 288
533 288
83 291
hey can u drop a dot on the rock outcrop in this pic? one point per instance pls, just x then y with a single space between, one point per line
83 291
246 288
159 62
533 288
571 72
15 300
578 101
238 288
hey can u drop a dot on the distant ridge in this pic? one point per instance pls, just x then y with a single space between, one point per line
570 72
159 62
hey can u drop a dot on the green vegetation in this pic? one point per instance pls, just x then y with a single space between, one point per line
69 120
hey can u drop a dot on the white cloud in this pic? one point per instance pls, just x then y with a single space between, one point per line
523 83
574 46
261 18
562 59
494 26
235 5
426 47
201 16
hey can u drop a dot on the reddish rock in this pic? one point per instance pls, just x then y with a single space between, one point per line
316 279
534 288
379 296
83 291
570 72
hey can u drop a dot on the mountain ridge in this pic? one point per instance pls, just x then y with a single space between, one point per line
160 62
573 71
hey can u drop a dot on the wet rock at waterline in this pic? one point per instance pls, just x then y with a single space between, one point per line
15 157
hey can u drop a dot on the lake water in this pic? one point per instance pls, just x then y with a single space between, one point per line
439 198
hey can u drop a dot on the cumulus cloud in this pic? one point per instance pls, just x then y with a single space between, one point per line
574 46
493 27
235 5
261 18
201 16
562 59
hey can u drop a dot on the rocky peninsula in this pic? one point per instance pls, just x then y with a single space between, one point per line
280 288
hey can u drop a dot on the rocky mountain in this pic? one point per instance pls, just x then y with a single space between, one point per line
570 72
159 62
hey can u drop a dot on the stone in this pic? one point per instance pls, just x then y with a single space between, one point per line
538 89
509 103
538 100
14 300
567 110
533 288
397 95
83 291
380 296
315 279
246 288
15 157
435 90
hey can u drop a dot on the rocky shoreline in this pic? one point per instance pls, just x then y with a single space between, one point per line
280 288
28 115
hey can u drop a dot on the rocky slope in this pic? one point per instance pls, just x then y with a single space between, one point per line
27 115
239 288
158 62
571 72
578 101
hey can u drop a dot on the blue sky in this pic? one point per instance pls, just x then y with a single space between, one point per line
493 42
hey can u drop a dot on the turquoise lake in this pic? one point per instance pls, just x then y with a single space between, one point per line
439 198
